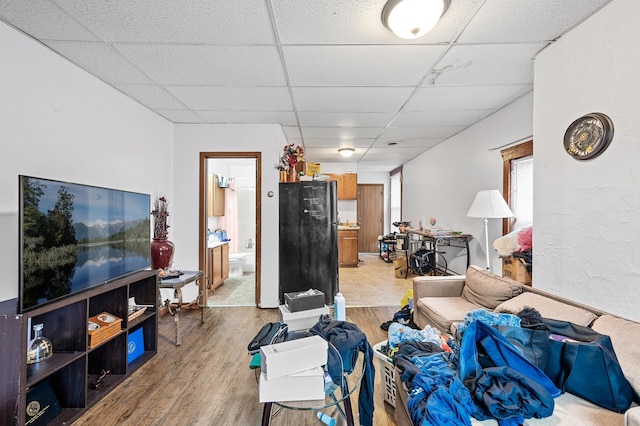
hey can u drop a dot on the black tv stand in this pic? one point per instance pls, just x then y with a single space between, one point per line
74 367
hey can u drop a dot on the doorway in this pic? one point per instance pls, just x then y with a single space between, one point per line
240 219
370 216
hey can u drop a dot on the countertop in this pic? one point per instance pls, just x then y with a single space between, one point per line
214 244
348 228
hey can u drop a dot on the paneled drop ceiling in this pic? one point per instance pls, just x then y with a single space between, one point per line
327 70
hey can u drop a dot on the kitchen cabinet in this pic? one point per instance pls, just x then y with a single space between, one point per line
347 185
217 267
215 196
348 248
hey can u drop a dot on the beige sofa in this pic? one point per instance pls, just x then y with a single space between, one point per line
442 302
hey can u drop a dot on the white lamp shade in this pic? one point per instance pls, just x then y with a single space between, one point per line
489 204
410 19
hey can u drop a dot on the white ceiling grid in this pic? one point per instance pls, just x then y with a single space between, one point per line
327 70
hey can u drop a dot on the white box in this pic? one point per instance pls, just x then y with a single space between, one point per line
294 356
302 320
302 386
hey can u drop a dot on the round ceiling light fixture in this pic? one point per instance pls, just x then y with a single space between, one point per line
410 19
346 152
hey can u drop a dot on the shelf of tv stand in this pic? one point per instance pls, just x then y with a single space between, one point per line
74 366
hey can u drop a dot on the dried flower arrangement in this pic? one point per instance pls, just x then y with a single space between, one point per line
290 157
160 215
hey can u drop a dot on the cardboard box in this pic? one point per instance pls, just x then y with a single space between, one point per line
516 270
304 300
302 320
294 356
400 266
101 327
135 345
302 386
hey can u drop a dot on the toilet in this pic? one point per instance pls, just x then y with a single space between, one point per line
236 262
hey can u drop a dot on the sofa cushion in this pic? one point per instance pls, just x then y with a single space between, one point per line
443 311
548 308
625 337
488 290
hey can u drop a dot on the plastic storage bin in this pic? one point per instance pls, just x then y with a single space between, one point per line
386 370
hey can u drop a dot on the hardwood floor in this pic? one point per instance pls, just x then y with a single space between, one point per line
207 380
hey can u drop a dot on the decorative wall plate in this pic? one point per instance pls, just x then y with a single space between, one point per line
588 136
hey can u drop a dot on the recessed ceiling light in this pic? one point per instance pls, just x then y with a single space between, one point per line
410 19
346 152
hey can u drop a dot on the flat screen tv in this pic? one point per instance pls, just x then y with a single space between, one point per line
74 237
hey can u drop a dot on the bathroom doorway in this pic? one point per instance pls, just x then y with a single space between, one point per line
230 188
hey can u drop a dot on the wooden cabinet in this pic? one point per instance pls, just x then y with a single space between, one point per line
348 248
347 185
218 264
215 196
73 367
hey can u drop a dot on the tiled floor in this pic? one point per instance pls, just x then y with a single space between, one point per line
372 283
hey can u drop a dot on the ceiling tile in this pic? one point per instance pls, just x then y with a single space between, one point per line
342 133
292 133
411 151
287 118
233 98
337 142
214 65
408 142
175 21
102 61
422 132
43 20
346 119
350 99
180 116
150 95
442 98
486 64
435 118
355 22
359 65
513 21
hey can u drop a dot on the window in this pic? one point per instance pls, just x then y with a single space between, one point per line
522 191
518 185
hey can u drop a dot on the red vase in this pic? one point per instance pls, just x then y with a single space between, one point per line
161 253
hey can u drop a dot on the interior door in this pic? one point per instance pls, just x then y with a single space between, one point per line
370 216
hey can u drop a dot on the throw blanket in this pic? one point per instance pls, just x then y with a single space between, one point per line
349 340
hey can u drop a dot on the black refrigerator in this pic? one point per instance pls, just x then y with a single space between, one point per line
309 238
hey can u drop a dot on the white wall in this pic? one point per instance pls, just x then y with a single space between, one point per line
443 181
190 140
587 213
59 122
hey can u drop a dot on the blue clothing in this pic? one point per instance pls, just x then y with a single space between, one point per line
349 340
487 317
508 396
482 348
438 397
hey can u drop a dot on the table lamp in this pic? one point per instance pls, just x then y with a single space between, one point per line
489 204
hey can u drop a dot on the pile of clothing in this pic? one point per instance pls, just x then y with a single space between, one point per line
479 373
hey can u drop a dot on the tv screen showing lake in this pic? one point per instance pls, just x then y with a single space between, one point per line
77 236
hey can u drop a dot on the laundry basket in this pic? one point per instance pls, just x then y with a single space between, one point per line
386 370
